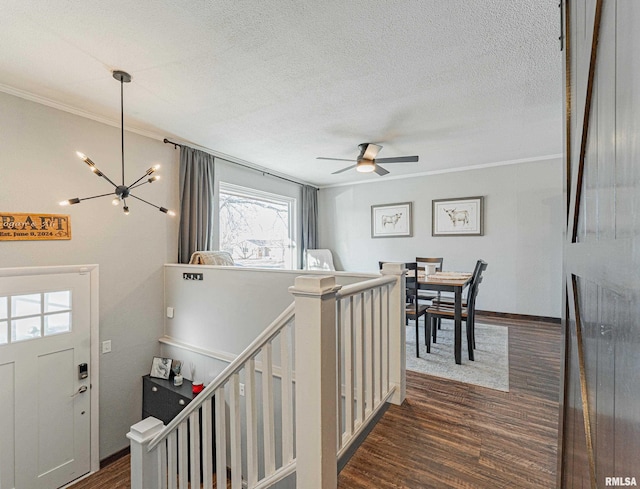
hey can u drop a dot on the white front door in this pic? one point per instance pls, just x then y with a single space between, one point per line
45 405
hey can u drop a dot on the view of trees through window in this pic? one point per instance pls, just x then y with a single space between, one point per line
256 227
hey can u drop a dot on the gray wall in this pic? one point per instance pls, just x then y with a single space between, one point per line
522 239
39 168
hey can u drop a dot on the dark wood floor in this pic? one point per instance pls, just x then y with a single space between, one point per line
453 435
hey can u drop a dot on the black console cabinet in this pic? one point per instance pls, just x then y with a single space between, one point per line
163 400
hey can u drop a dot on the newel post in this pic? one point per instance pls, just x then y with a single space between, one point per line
316 382
145 468
397 331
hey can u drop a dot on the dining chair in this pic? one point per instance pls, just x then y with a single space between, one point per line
426 263
413 309
448 300
447 311
319 259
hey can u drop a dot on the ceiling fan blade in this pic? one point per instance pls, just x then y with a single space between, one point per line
371 151
332 159
398 159
344 169
380 171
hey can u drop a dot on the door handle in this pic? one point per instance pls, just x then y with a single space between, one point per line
81 390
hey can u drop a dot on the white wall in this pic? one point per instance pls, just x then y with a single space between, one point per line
39 168
522 240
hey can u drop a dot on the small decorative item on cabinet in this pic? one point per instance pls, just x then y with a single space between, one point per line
176 368
161 368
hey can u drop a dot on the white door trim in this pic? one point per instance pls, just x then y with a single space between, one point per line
94 373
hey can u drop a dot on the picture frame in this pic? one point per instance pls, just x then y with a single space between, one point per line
161 368
458 217
392 220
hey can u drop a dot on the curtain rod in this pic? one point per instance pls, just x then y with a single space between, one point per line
177 145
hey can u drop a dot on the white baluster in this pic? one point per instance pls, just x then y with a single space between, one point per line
348 365
162 465
384 301
183 449
221 438
267 410
252 422
194 448
207 443
235 432
287 395
377 347
172 460
359 331
368 351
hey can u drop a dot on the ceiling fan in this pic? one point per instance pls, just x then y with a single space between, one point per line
367 162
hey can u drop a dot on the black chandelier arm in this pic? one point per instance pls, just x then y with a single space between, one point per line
149 180
132 186
145 201
161 209
146 174
106 178
96 196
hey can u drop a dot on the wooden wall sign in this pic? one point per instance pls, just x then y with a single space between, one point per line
15 226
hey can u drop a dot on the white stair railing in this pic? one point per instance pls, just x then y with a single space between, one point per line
184 450
364 321
347 347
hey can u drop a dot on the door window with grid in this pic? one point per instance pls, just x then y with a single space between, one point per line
35 315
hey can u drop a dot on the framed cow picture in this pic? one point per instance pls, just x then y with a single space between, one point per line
391 220
458 217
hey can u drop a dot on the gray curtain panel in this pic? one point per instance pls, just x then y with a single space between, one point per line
196 202
309 221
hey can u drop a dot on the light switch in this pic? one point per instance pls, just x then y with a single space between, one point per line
170 312
106 346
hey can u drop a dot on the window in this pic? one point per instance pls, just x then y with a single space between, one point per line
256 227
31 316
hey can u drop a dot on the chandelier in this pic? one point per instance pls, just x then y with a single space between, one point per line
121 192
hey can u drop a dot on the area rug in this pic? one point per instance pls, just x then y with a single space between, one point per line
491 365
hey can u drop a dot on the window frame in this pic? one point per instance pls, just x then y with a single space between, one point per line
272 197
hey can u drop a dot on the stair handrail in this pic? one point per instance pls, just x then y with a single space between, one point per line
353 289
235 366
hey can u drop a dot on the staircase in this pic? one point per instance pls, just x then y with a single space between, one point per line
294 401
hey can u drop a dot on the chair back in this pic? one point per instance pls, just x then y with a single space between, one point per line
476 280
412 282
411 279
319 259
425 262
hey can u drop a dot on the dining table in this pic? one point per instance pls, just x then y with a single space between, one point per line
454 282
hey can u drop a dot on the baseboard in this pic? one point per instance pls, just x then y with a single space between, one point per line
522 317
114 457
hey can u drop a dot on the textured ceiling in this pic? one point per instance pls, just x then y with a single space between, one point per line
277 83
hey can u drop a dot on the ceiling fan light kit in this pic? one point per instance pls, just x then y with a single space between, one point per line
365 166
366 161
121 192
